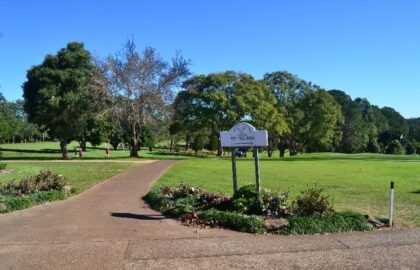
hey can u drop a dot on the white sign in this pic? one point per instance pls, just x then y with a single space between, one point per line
244 134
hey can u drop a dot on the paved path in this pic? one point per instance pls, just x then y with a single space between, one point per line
110 227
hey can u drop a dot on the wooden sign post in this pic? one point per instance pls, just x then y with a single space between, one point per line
244 135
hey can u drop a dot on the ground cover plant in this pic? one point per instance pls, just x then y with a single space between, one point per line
248 211
42 187
354 181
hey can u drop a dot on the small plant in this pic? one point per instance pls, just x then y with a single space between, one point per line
247 201
235 221
337 222
3 166
311 202
44 181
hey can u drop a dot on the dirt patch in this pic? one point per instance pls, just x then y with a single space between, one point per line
6 171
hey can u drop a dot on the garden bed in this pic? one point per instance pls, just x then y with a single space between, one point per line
43 187
247 211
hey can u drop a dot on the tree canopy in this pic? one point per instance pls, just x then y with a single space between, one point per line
56 93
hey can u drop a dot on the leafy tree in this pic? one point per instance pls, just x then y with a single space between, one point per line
141 86
395 148
147 138
356 131
215 102
398 127
414 129
410 148
311 114
56 93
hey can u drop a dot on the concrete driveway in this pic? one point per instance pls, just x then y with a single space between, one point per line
110 227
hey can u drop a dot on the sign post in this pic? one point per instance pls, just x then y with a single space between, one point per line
244 135
235 178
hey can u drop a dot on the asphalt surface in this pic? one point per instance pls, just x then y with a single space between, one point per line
110 227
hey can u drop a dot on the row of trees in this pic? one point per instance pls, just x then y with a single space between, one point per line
299 116
125 97
14 125
131 97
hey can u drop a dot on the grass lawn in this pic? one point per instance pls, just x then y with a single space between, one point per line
81 175
359 182
51 151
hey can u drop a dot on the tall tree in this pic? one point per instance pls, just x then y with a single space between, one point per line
355 129
215 102
301 101
141 86
56 93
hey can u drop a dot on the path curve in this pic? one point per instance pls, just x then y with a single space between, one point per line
110 227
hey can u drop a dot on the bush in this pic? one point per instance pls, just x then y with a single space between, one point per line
3 166
247 201
234 221
410 148
181 191
44 181
337 222
312 202
209 200
180 207
394 148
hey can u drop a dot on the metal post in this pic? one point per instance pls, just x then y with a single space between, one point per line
391 205
257 169
235 178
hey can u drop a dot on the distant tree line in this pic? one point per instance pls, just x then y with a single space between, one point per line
14 126
137 98
299 116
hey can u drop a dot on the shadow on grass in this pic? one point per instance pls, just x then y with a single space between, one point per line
415 191
40 151
137 216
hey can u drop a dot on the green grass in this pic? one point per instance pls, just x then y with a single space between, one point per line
358 182
51 151
80 175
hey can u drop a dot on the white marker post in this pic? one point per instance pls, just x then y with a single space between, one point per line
391 205
244 135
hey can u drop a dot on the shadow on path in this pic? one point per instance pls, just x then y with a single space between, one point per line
136 216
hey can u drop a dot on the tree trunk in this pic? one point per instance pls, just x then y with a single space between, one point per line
172 144
282 151
187 142
270 151
134 151
150 149
219 149
63 146
83 145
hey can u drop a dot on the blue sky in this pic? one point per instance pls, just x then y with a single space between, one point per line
367 48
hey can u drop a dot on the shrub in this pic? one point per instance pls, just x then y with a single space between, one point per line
337 222
394 148
156 200
234 221
274 203
181 191
209 200
44 181
180 207
3 166
247 201
410 148
311 202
